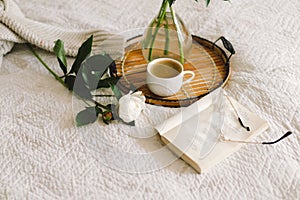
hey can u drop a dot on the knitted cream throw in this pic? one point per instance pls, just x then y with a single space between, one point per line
16 28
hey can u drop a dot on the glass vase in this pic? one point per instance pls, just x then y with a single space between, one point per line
166 36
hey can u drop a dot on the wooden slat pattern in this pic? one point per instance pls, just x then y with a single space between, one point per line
208 64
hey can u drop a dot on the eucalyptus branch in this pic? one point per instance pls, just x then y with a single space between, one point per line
45 65
89 78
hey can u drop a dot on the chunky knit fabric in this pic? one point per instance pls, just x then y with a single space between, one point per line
16 28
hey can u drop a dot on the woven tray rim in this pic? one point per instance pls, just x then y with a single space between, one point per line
189 100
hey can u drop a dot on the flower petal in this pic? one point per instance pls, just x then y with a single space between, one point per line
131 106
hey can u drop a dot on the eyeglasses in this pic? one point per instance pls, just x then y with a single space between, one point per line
223 138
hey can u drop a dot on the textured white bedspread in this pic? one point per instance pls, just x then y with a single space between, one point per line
44 156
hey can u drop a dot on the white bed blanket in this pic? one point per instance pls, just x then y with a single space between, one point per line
44 156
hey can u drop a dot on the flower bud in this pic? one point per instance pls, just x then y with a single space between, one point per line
107 116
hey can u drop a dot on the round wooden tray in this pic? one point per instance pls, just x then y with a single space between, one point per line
208 61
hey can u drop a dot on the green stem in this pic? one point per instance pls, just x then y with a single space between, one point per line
64 76
177 30
161 17
46 66
100 105
167 43
162 8
103 95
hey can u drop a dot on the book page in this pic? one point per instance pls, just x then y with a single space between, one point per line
196 135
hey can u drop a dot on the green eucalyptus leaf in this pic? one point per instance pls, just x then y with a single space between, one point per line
69 81
83 52
77 85
116 91
94 67
130 123
105 83
90 79
207 2
171 2
60 54
62 66
99 64
87 116
80 88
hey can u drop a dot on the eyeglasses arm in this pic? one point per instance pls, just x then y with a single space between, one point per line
222 138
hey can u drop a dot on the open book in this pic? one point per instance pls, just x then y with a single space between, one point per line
193 134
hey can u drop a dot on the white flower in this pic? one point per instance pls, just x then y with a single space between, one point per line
131 106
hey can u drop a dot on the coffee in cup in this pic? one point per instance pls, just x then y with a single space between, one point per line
165 76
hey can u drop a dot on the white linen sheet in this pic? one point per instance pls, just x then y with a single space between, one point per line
43 155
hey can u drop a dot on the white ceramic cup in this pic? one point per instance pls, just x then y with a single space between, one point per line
165 76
